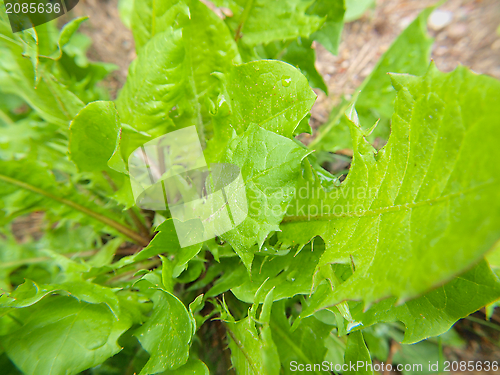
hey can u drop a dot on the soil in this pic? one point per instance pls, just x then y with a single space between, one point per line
112 41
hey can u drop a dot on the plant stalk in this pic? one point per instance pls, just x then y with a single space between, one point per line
243 19
123 229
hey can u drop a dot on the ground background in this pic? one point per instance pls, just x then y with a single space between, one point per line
470 38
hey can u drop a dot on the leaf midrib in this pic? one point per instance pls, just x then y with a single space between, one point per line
240 346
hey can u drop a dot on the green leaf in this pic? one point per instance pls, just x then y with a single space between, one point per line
32 137
258 22
26 294
47 34
409 53
25 78
94 136
330 32
166 335
194 308
30 293
400 241
270 165
435 312
166 241
77 73
357 354
356 8
65 35
251 354
233 274
335 350
147 97
13 255
418 354
68 236
253 351
289 275
296 48
106 254
272 94
150 18
166 274
29 39
171 81
8 367
126 10
304 345
300 54
425 207
51 100
192 367
493 258
63 336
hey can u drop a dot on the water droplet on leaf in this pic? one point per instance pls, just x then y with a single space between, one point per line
286 81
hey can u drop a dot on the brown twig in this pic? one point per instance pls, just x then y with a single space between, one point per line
393 350
243 19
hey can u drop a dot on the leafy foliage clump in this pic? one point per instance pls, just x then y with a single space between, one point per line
324 267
